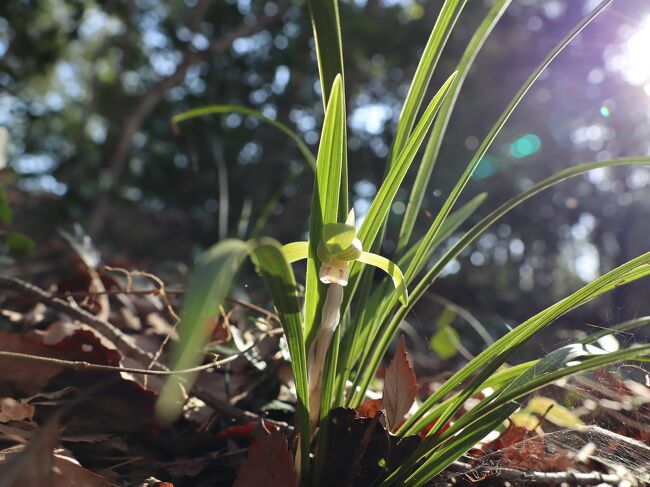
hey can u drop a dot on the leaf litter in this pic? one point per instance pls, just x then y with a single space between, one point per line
63 426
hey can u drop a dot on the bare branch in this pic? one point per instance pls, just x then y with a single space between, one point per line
520 477
147 102
127 345
80 365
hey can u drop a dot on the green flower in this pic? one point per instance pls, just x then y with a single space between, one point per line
338 249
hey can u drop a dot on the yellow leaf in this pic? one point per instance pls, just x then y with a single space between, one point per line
552 411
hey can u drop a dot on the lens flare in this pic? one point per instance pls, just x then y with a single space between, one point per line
632 61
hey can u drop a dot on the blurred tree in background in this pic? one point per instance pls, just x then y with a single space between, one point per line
88 90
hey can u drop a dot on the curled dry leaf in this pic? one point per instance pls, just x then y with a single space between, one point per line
400 387
62 339
80 342
12 410
38 466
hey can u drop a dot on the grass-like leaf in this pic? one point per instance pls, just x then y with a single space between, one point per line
496 128
380 345
441 30
440 125
325 200
267 254
495 355
382 300
208 287
329 47
209 284
225 109
495 409
381 204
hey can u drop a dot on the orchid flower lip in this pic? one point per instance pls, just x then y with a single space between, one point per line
335 273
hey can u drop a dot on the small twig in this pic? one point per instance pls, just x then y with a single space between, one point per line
126 344
107 329
170 292
80 365
519 477
155 279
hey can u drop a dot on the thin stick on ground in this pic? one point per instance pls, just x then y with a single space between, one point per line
81 365
170 292
127 345
520 477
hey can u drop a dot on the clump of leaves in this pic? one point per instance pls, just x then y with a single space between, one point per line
339 334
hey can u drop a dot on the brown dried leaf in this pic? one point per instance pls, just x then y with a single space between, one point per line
369 408
360 450
12 410
526 450
25 377
69 473
80 342
269 463
32 467
37 465
400 387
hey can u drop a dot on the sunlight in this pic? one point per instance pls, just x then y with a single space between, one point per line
632 60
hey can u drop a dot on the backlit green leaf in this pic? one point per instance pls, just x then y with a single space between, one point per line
391 269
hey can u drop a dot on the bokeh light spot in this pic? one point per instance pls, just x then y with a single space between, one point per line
486 167
525 146
604 111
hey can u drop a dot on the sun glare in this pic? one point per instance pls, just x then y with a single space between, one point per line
633 59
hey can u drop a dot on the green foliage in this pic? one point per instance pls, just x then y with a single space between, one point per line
370 320
226 109
445 340
19 243
208 287
5 211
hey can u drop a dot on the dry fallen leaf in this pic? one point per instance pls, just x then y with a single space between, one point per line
269 463
12 410
68 473
38 466
32 467
526 450
400 387
361 451
369 408
25 377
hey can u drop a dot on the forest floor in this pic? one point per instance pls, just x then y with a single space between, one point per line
96 424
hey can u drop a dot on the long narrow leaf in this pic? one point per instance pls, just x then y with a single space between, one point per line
487 142
209 285
269 259
444 24
380 345
325 200
381 204
496 411
221 109
440 125
329 47
382 301
494 355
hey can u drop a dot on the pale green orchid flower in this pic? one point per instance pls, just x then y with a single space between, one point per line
338 249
